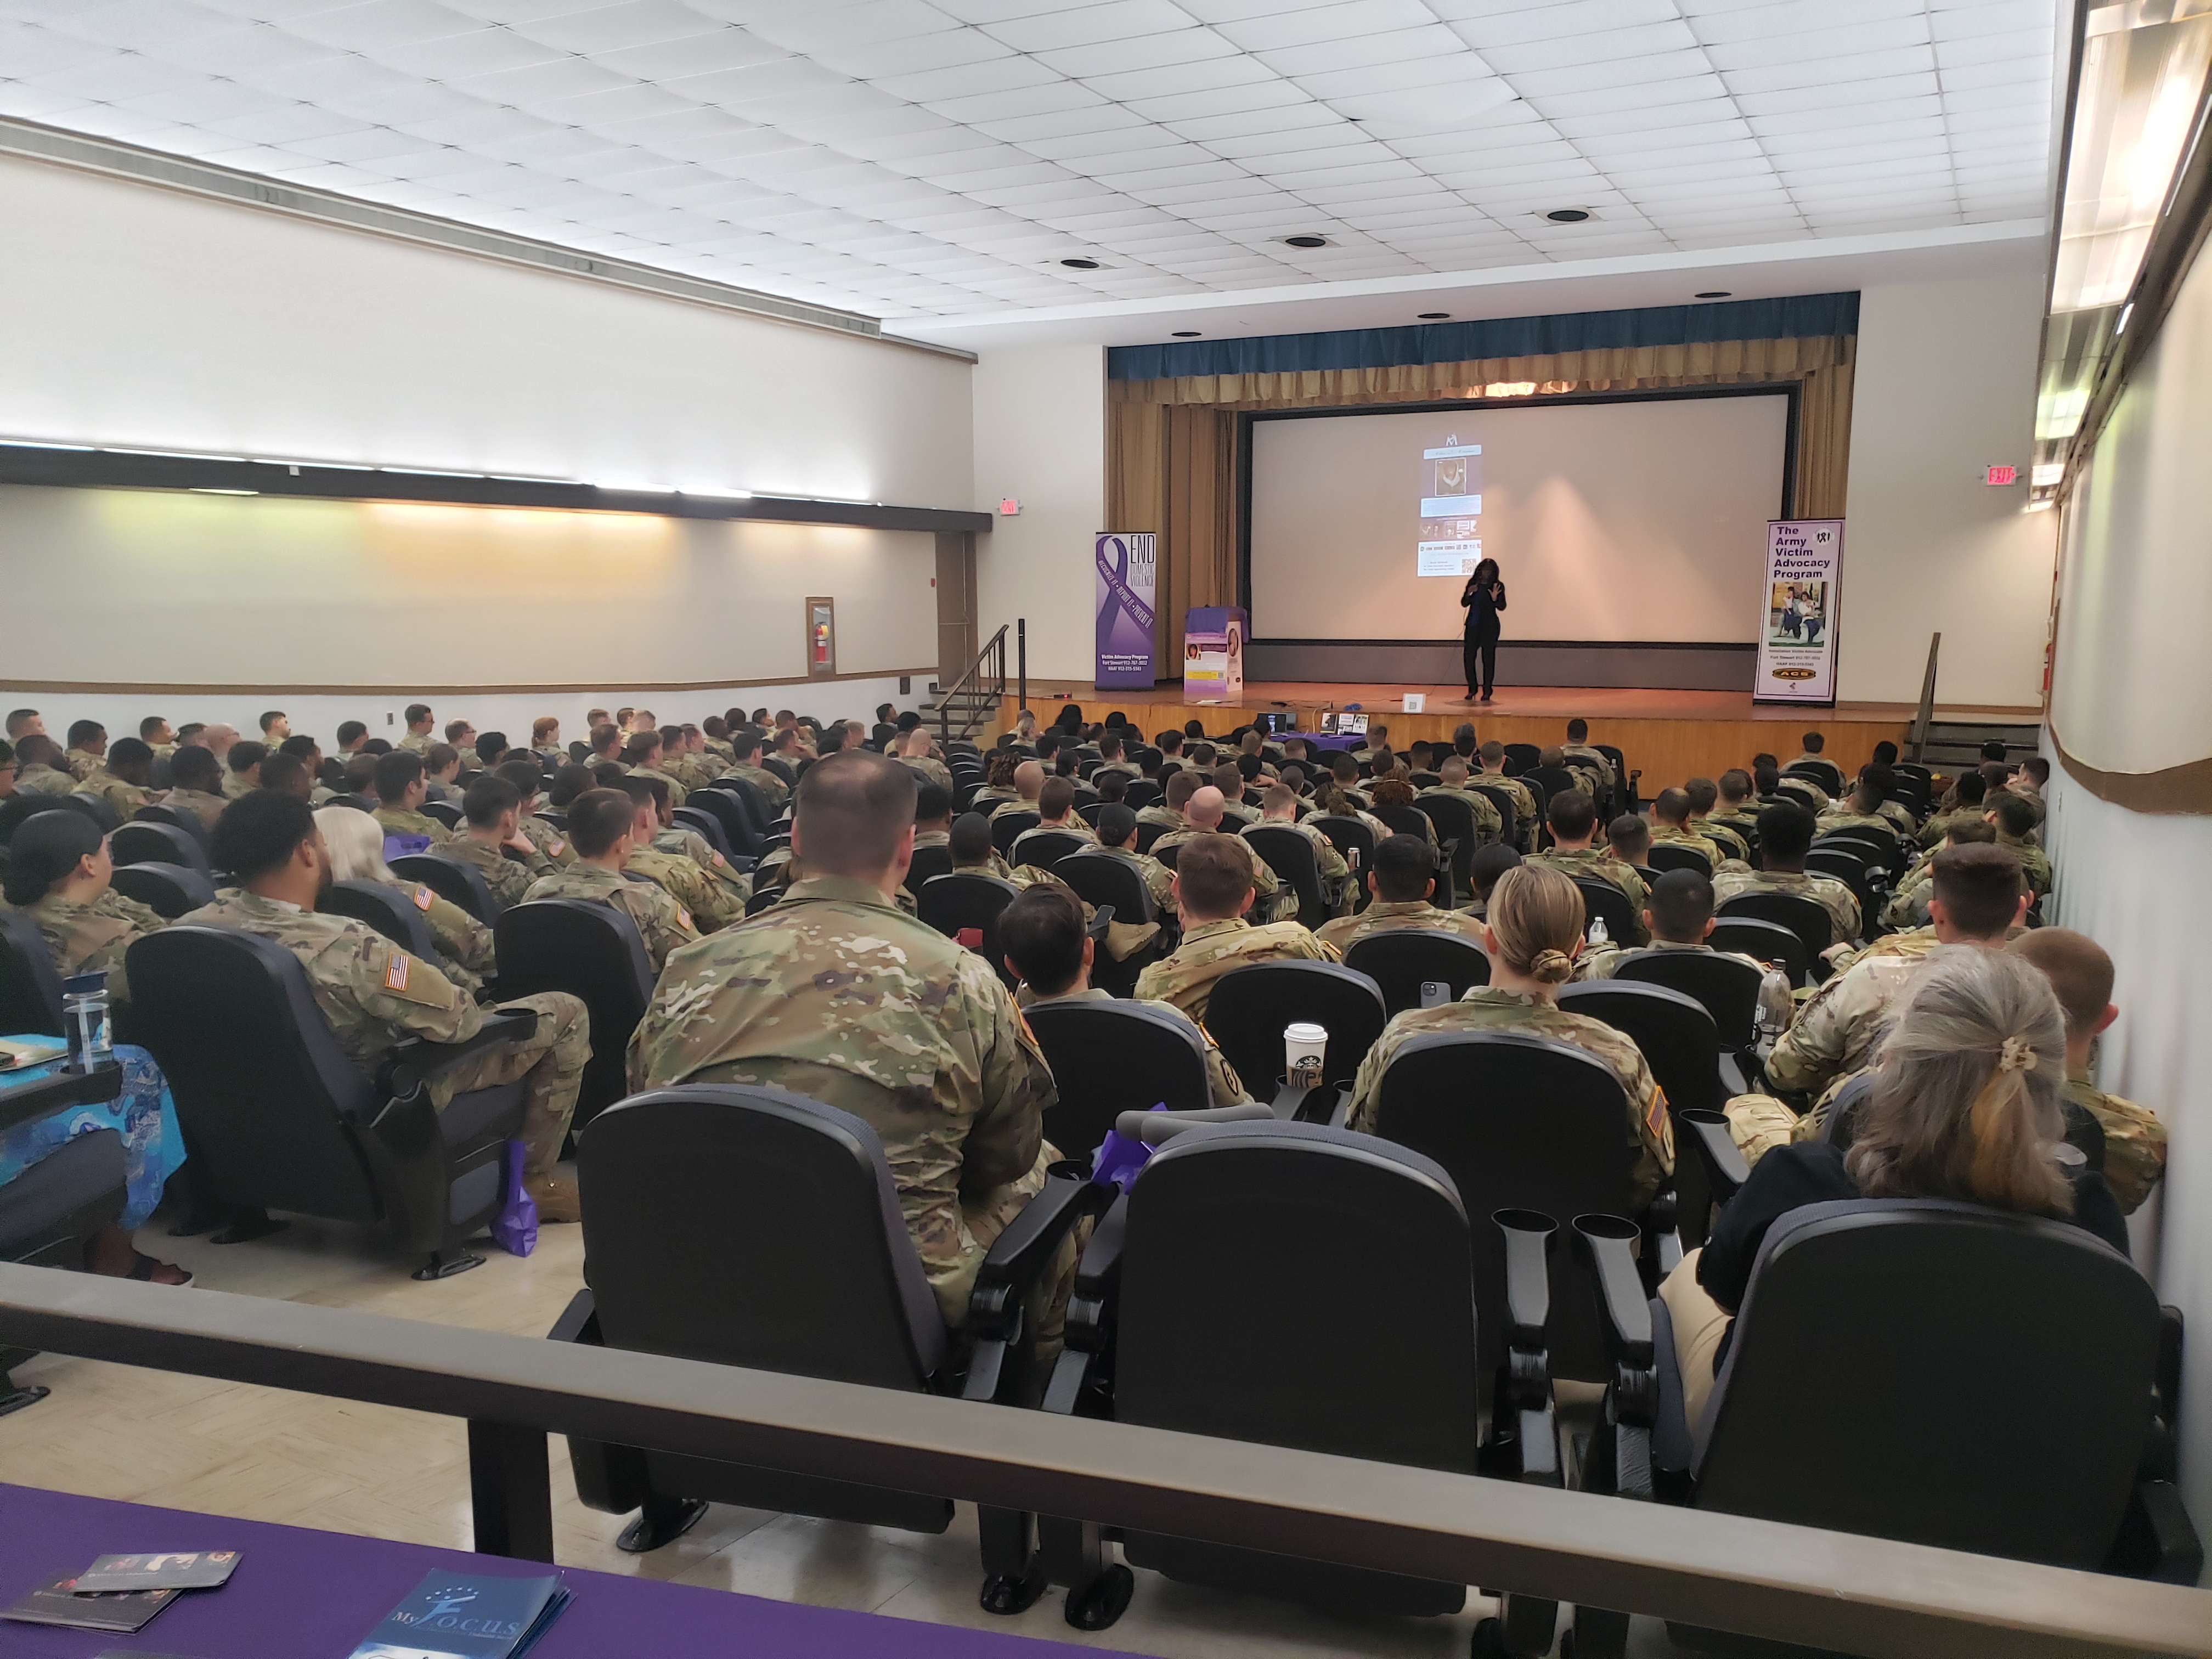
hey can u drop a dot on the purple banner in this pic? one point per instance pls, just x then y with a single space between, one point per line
1126 569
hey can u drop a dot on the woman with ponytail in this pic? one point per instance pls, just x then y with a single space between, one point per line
1965 1106
1532 930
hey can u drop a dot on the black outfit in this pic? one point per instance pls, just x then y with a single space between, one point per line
1811 1172
1482 631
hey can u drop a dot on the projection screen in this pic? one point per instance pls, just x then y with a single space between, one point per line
1625 520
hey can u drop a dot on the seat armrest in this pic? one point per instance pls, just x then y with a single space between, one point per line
24 1103
1089 1311
1716 1153
1606 1245
1325 1102
413 1064
1525 1442
1528 1276
1154 1128
579 1322
1018 1259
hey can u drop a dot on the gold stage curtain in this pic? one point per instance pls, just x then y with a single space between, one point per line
1171 444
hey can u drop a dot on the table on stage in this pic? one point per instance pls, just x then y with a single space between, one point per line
304 1595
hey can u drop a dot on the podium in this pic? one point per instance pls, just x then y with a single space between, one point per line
1213 652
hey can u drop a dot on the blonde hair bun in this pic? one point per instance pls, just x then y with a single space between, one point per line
1553 967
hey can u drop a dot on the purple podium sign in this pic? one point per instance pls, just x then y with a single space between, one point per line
1126 569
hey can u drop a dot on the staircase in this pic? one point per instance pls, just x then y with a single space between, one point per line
972 701
1954 745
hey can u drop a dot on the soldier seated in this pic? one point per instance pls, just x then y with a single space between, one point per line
1403 880
837 994
601 829
1213 888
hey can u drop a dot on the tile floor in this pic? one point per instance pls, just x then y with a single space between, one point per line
266 1455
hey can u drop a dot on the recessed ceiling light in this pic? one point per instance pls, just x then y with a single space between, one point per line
1716 293
1568 215
1185 334
1307 241
1434 316
1080 265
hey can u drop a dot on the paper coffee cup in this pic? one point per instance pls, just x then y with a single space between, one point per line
1305 1048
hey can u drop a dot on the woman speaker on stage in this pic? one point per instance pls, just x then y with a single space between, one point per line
1484 598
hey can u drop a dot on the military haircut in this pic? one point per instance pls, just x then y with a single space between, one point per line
1167 743
1571 814
1814 743
568 782
1735 784
645 789
1886 752
303 747
1629 834
188 731
1279 798
1453 772
195 768
453 731
2015 813
1980 887
1764 776
1993 748
1405 867
526 776
1249 767
1041 931
1109 746
1193 729
597 818
1228 777
82 732
2038 768
270 717
642 748
1974 830
416 714
672 737
348 731
1578 731
246 755
489 800
1786 831
745 745
1213 874
1995 774
605 736
1973 788
932 804
1681 903
283 771
852 810
607 775
1702 794
149 725
970 840
18 719
128 752
1113 785
376 746
1879 778
490 747
1673 806
1117 824
2079 970
1181 786
259 831
360 773
1056 798
394 772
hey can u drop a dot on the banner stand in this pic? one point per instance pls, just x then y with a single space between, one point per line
1214 653
1799 612
1126 573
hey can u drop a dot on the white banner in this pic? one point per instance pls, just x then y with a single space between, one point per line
1804 589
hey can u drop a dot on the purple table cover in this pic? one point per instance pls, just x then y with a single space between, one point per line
304 1595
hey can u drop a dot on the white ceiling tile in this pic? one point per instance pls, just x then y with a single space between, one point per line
1311 24
379 24
1156 84
1051 29
1650 40
1390 46
480 52
28 50
1142 56
967 80
1818 45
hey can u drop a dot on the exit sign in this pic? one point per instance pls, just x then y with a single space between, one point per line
2000 475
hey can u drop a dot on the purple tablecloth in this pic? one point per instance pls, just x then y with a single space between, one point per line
303 1594
1330 740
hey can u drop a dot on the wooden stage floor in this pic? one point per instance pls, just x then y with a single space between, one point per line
1669 736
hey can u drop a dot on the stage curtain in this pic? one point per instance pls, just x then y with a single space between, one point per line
1171 443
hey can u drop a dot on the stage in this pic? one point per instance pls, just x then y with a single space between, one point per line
1666 735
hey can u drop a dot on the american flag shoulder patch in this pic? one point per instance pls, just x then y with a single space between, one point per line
395 970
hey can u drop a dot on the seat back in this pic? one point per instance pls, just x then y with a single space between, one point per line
1726 988
391 913
445 811
1623 800
266 1095
1143 793
1300 1286
1678 1038
1551 779
1521 758
455 882
720 802
144 841
1806 918
1983 1380
1767 941
1403 820
30 987
1455 823
750 1226
964 907
1667 856
928 863
1007 828
1602 901
189 822
1884 847
1249 1006
1826 774
1509 826
1400 960
1046 848
95 807
1290 856
591 950
1107 1058
1353 838
1149 833
169 890
702 823
1099 878
1519 1122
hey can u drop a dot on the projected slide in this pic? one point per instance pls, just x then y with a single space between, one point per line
1451 510
1627 521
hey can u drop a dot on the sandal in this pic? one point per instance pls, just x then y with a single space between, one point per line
143 1267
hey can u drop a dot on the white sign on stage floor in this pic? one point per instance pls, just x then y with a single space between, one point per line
1804 591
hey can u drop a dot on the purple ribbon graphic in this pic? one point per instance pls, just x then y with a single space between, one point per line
1117 576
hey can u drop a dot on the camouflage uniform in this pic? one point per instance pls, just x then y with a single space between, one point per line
1668 834
1211 949
1158 879
1835 1032
677 794
374 994
547 839
509 878
1581 754
2134 1140
464 945
2034 862
1074 826
82 763
1335 873
1386 915
1831 895
1161 814
1488 825
206 807
1017 804
91 938
415 743
836 995
1600 862
39 779
1933 832
1526 819
931 769
1603 961
664 925
1129 769
766 782
1268 893
1224 1087
398 823
1841 817
1804 792
126 798
710 905
1728 837
690 844
1900 817
234 785
1743 820
1491 1008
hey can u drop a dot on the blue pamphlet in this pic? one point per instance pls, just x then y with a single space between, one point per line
462 1615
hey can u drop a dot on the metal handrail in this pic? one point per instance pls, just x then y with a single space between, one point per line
993 656
1833 1591
1926 712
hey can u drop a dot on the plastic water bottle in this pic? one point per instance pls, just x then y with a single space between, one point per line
1775 1004
1599 932
84 1018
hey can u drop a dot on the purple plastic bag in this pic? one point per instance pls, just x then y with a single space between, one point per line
514 1228
1119 1158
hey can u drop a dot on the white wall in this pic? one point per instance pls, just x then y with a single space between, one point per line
1946 386
1041 437
143 316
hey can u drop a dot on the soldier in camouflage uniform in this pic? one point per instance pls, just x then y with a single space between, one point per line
399 793
1117 837
1573 818
1028 779
1868 805
1577 752
599 825
355 848
196 784
2081 974
1403 881
1113 757
1533 933
39 769
2014 819
1489 773
746 745
421 729
1044 934
709 905
1279 809
1785 836
916 751
493 806
1679 917
122 777
374 994
1055 808
1213 885
837 995
60 875
1670 827
1176 793
1202 818
87 747
1488 826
